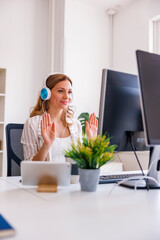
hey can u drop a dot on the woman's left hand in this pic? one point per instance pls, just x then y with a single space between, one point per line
92 126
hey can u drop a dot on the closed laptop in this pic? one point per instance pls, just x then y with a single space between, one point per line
34 172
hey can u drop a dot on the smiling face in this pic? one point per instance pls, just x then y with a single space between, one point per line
61 95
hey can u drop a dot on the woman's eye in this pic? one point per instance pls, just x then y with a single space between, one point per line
62 91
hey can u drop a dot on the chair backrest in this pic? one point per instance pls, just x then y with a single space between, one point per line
14 148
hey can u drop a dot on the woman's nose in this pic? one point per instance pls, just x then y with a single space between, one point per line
66 95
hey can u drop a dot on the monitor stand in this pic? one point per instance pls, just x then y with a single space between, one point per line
154 172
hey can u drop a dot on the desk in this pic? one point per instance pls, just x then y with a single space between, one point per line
74 215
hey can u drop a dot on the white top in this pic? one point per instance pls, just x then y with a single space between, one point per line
32 139
58 147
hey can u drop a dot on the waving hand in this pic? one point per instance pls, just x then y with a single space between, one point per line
92 126
47 129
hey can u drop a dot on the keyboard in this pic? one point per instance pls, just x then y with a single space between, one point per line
117 177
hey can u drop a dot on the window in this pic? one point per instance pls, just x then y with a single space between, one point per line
154 35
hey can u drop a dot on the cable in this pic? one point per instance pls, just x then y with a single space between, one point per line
129 135
140 178
43 106
146 178
136 182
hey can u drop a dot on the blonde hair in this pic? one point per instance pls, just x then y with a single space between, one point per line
43 106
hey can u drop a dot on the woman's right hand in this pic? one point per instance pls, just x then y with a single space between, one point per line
47 129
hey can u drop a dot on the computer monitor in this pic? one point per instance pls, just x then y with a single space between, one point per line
149 83
120 112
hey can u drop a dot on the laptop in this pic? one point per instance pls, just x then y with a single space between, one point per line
36 172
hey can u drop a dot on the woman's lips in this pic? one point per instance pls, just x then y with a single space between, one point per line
65 102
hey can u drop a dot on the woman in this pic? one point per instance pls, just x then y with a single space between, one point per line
51 127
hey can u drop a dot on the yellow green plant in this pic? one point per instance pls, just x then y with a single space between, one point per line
91 153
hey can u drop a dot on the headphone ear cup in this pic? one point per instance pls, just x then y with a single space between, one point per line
45 93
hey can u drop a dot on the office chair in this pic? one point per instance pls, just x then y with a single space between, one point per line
14 148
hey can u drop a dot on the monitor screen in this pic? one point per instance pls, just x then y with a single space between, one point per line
120 111
149 76
149 83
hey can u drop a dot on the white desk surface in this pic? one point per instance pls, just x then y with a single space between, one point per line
71 214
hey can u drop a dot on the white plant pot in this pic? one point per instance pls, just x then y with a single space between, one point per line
88 179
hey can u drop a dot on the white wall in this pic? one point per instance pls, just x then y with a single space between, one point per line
27 53
86 52
131 32
24 53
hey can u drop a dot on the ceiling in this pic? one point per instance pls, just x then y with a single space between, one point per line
106 4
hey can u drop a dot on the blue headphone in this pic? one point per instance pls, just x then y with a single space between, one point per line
46 92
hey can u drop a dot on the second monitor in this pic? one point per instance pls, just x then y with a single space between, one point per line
120 112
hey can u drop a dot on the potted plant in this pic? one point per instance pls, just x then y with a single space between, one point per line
83 117
90 155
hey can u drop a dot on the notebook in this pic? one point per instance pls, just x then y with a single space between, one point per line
36 172
6 229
